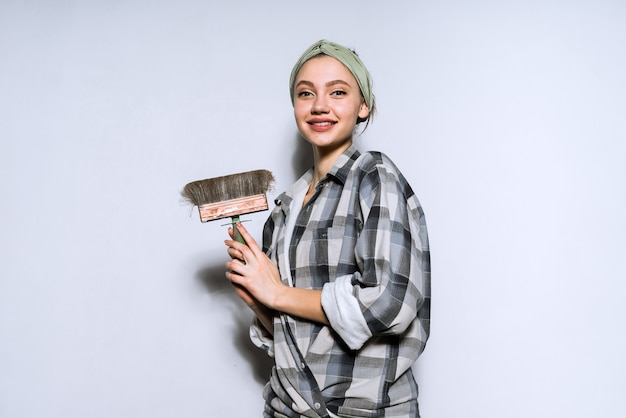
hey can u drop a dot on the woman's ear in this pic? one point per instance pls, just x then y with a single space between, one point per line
364 112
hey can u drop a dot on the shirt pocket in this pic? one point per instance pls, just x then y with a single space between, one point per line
326 251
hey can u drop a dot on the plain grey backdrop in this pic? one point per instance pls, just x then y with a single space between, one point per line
508 118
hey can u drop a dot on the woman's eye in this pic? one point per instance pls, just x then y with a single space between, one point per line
304 94
338 93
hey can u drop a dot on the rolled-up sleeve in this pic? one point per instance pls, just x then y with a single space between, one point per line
344 313
261 337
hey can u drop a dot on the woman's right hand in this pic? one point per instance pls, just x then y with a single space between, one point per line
262 312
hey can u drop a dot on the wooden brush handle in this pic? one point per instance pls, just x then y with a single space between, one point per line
236 235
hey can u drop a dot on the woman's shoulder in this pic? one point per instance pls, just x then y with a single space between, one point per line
372 160
377 167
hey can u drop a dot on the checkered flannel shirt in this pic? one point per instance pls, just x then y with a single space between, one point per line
362 240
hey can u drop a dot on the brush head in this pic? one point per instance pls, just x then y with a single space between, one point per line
230 195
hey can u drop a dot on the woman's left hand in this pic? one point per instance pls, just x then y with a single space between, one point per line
258 275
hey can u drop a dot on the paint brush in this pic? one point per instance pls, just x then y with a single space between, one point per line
230 196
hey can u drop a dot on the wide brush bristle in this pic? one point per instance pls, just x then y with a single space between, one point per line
233 186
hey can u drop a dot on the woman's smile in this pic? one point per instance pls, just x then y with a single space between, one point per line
321 125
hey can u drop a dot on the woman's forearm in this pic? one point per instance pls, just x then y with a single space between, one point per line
302 303
265 316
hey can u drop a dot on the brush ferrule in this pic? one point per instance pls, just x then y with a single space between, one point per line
232 207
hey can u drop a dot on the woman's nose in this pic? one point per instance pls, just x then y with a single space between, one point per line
319 105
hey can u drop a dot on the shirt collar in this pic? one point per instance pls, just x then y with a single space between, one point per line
344 163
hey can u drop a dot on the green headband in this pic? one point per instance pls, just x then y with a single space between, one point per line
343 55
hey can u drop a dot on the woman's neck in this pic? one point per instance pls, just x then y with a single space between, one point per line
324 159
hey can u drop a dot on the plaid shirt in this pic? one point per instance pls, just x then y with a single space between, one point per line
362 240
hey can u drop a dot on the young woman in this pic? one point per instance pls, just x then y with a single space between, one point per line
341 284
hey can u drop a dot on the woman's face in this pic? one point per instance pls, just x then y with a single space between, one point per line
327 103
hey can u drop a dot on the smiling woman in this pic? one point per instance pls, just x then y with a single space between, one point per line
341 283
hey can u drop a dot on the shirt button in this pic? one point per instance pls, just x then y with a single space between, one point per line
317 405
303 365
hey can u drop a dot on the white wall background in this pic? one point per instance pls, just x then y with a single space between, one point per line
507 117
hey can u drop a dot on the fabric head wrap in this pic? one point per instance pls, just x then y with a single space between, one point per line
343 55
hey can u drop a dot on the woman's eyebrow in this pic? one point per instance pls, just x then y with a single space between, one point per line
328 84
332 83
304 82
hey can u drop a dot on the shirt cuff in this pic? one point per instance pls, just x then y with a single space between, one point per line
344 313
261 337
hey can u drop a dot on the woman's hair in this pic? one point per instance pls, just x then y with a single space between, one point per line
352 62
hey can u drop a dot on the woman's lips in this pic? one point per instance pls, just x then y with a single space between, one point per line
321 125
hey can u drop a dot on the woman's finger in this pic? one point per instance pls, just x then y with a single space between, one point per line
250 241
235 267
242 251
235 254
